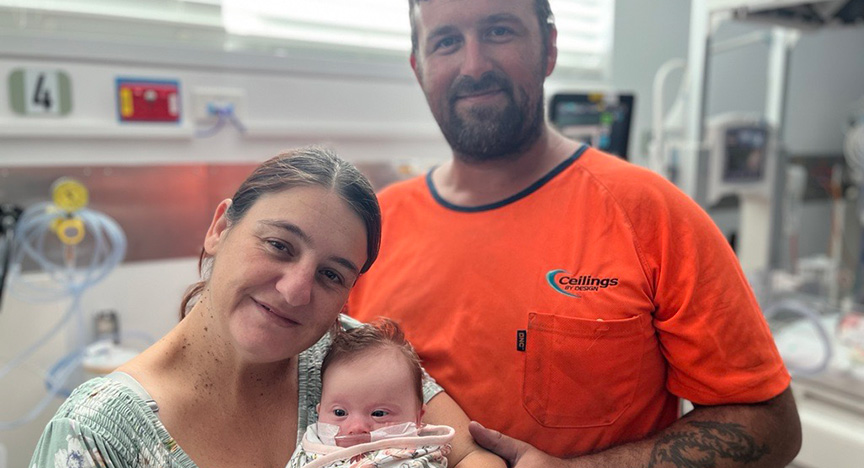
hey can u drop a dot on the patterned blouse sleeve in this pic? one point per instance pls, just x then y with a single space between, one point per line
65 443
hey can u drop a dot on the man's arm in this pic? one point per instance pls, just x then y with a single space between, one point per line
759 435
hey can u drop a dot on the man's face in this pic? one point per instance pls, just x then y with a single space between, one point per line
481 65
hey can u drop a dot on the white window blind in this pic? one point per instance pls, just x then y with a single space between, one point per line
585 32
585 27
188 12
373 24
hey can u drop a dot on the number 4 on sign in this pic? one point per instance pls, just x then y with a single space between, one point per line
42 91
36 92
42 94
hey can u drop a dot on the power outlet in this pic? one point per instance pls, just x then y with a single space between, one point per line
208 103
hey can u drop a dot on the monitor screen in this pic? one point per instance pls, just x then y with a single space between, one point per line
745 153
598 119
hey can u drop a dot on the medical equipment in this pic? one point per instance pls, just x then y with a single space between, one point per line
796 185
214 108
223 114
850 334
330 434
813 358
741 153
73 248
799 14
678 149
601 120
853 150
9 215
853 145
667 130
830 405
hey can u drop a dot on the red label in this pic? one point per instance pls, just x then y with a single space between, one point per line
148 101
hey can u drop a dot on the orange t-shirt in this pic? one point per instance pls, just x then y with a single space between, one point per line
628 295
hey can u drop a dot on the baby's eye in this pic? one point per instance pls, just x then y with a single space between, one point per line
379 413
340 412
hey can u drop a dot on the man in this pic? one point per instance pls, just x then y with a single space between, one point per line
562 296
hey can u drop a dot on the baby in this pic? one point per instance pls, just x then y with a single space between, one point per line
371 406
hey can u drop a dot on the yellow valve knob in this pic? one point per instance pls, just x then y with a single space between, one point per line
70 231
69 194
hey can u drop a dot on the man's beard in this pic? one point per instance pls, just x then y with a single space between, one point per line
491 133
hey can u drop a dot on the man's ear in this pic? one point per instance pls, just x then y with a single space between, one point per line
218 227
318 409
552 51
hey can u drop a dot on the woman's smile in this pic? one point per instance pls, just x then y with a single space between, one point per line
277 316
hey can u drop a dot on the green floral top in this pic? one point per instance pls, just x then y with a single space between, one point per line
105 424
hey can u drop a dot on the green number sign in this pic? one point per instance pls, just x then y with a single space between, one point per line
35 92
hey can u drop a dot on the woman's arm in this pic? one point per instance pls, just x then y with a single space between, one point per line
67 443
442 410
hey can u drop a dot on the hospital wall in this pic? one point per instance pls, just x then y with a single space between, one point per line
368 113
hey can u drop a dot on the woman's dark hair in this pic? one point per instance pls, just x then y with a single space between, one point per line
300 167
384 333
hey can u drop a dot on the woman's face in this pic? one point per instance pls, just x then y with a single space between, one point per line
283 272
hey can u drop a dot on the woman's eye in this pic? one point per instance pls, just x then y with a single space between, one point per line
279 246
379 414
340 412
332 276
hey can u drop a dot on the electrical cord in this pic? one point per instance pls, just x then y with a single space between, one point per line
224 115
9 215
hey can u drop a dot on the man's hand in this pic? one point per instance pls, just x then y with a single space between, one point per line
517 453
756 435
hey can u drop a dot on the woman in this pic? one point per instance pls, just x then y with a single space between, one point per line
235 383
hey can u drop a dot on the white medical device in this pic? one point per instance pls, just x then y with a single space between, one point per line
741 150
742 161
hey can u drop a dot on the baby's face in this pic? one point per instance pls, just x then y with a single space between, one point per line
369 392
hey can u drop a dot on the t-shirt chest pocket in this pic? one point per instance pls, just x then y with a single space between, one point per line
580 372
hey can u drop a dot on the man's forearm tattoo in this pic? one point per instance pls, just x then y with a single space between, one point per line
705 445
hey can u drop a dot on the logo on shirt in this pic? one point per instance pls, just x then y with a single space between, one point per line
569 284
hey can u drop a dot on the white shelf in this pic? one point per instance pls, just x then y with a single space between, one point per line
54 128
59 129
343 130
